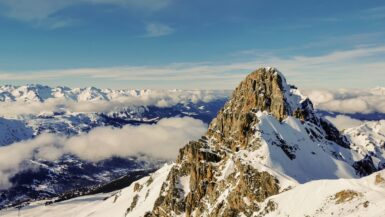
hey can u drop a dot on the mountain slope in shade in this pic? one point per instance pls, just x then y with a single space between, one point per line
266 141
13 131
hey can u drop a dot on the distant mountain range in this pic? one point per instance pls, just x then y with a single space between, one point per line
41 93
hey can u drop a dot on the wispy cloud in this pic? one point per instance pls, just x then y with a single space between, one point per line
44 13
158 29
376 13
362 66
365 14
343 122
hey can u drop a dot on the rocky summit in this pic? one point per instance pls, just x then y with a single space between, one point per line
261 152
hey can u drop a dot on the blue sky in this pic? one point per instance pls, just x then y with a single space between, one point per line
191 44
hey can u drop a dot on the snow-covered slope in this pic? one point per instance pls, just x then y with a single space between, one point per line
306 156
341 197
142 195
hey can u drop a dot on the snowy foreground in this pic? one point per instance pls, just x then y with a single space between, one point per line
340 197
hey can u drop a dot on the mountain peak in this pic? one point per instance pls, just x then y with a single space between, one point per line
265 89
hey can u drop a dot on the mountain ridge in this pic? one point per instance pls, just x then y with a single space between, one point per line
41 93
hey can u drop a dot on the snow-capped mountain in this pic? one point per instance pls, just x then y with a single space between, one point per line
32 110
267 153
42 93
369 140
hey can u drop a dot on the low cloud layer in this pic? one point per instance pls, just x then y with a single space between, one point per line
343 122
346 101
162 140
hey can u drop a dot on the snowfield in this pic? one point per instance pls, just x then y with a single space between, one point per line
341 197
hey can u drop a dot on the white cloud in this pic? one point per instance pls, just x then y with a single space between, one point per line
33 10
343 122
349 100
361 66
158 29
162 140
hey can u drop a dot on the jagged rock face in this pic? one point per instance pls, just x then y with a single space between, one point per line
242 189
365 166
202 162
261 90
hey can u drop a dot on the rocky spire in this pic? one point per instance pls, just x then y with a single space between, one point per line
265 89
202 161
